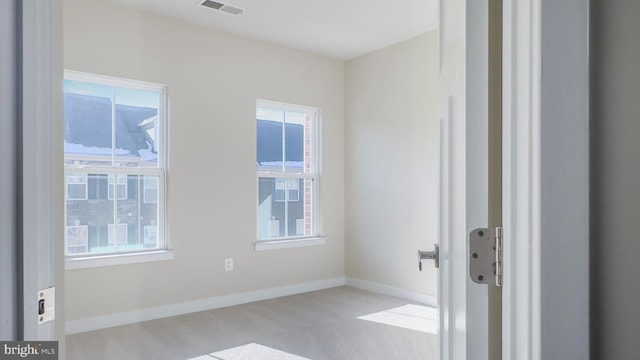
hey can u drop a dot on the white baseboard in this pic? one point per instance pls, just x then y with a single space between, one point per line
393 291
130 317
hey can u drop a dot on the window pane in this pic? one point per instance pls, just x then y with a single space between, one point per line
137 131
76 186
271 218
286 145
295 140
117 234
128 235
300 207
281 190
118 186
87 123
151 189
293 189
95 214
282 216
269 138
90 222
149 212
77 239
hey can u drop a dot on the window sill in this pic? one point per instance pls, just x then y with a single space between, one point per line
266 245
117 259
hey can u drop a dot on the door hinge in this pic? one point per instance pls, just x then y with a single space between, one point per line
485 256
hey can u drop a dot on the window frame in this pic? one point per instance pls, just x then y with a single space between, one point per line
284 173
121 256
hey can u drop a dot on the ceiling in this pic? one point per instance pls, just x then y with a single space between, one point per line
341 29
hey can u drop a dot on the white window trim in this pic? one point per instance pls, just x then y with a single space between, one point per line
117 259
163 252
288 243
296 241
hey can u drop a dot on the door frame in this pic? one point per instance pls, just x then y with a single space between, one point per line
521 175
40 234
546 179
545 182
525 169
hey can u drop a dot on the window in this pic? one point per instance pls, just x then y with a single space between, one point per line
77 240
114 158
77 186
150 190
287 170
287 190
117 186
118 234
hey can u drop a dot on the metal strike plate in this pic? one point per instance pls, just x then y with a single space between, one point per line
482 256
46 305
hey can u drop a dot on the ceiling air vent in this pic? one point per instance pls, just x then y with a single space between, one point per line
222 7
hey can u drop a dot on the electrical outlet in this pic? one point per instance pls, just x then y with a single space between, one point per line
228 264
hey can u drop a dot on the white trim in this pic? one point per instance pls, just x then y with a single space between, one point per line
113 171
393 291
265 245
41 232
187 307
117 259
521 180
277 105
445 289
114 81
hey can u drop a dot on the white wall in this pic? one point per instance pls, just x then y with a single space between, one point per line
214 80
391 164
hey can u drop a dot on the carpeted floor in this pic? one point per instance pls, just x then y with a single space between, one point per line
335 324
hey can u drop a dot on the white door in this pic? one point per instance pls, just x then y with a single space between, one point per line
465 325
464 321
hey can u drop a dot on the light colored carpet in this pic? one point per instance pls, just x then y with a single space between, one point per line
253 351
321 325
414 317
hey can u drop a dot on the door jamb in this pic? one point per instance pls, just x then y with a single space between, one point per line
521 179
42 250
